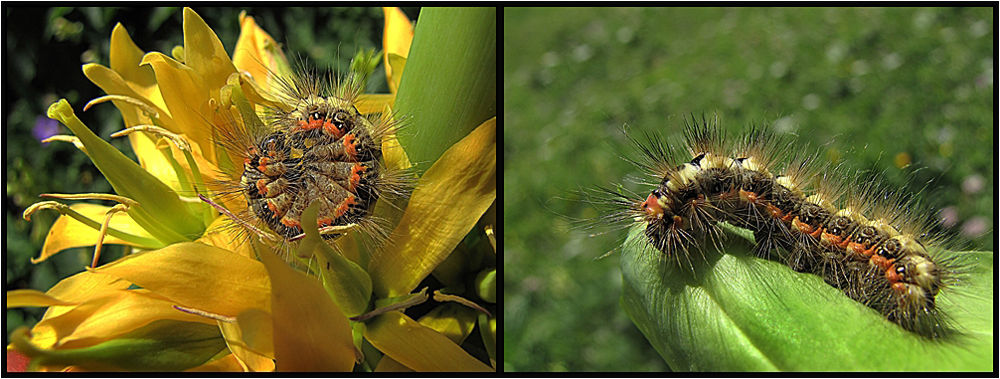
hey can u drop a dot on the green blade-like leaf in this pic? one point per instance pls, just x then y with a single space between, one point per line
735 312
449 86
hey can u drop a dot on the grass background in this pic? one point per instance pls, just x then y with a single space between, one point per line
44 51
871 88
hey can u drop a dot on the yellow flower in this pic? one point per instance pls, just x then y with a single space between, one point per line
194 299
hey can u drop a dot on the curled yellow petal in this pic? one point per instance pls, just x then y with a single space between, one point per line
125 58
197 276
92 196
250 339
157 131
187 96
204 53
310 332
419 347
453 194
161 213
113 84
256 52
68 231
32 298
396 38
441 297
118 313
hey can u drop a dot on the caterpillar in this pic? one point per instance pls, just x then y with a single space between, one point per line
857 235
313 146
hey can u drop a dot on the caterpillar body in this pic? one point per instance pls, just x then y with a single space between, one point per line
313 146
858 236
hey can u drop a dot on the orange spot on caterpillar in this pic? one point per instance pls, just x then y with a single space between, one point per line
892 275
881 262
290 223
355 175
899 287
324 222
344 206
806 228
272 207
262 186
332 128
835 240
652 207
349 145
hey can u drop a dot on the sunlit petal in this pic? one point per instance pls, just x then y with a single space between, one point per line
454 193
125 59
187 96
310 333
160 212
67 232
198 276
396 38
419 347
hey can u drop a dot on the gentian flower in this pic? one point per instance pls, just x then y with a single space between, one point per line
195 296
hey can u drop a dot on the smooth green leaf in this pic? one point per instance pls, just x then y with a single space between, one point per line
346 282
735 312
160 210
449 87
163 345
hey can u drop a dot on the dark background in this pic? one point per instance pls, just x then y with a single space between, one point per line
862 86
44 50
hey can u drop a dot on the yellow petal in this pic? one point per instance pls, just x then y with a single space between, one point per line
160 211
310 333
186 94
395 63
396 38
79 288
387 364
142 145
417 346
125 58
163 345
117 314
369 103
67 232
348 285
250 340
86 285
256 52
204 53
32 298
228 363
221 234
198 276
452 196
452 320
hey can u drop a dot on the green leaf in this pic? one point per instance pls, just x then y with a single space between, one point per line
162 345
449 86
348 284
735 312
160 210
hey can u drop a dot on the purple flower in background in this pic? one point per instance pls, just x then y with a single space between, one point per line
44 128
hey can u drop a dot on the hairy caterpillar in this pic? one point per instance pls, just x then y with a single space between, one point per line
313 146
859 237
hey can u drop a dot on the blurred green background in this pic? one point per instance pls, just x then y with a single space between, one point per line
871 88
45 49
